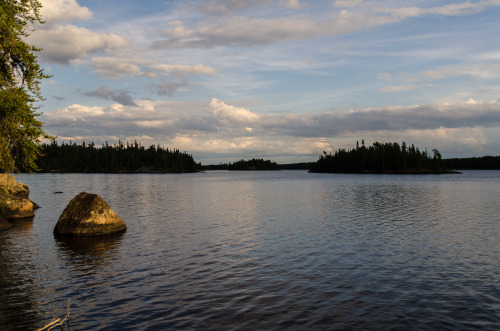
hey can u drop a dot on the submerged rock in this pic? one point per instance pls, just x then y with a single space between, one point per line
14 202
88 215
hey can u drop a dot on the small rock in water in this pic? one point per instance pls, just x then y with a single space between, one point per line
88 215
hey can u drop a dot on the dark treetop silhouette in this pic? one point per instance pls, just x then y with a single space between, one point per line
128 158
381 158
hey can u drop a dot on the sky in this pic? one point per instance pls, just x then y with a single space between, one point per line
276 79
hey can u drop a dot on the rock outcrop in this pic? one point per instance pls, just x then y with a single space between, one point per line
14 201
88 215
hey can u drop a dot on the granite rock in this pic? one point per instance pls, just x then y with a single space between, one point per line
14 201
88 215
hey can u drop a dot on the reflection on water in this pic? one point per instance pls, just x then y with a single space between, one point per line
265 250
24 224
17 296
88 252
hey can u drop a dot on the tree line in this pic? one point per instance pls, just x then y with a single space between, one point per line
253 164
117 158
381 158
474 163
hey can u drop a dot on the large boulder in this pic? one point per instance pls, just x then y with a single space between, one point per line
14 202
88 215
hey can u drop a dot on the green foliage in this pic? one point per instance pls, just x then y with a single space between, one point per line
87 158
380 158
254 164
20 76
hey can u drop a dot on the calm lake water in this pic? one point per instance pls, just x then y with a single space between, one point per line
261 250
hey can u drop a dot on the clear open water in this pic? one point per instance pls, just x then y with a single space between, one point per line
282 250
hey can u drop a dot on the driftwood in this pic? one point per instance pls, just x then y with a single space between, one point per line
57 321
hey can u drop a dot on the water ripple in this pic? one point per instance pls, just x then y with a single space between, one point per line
273 251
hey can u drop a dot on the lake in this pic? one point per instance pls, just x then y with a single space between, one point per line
261 250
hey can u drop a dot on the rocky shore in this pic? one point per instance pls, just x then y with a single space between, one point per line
14 201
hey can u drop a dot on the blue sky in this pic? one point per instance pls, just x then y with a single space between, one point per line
277 79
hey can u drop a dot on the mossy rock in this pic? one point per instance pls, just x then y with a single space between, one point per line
88 215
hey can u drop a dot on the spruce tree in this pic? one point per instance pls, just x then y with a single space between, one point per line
20 77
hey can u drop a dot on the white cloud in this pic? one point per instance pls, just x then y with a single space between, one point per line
251 31
110 67
456 9
239 30
222 111
180 71
173 77
113 67
63 44
63 11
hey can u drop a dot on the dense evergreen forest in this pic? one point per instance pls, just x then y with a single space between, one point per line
128 158
474 163
296 166
253 164
381 158
289 166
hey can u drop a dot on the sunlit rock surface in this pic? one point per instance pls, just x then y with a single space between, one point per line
88 215
14 201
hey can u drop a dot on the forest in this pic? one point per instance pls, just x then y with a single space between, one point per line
253 164
474 163
381 158
120 158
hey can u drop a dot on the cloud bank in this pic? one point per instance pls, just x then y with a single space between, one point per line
221 128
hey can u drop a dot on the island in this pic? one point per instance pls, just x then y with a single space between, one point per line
382 158
254 164
117 158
